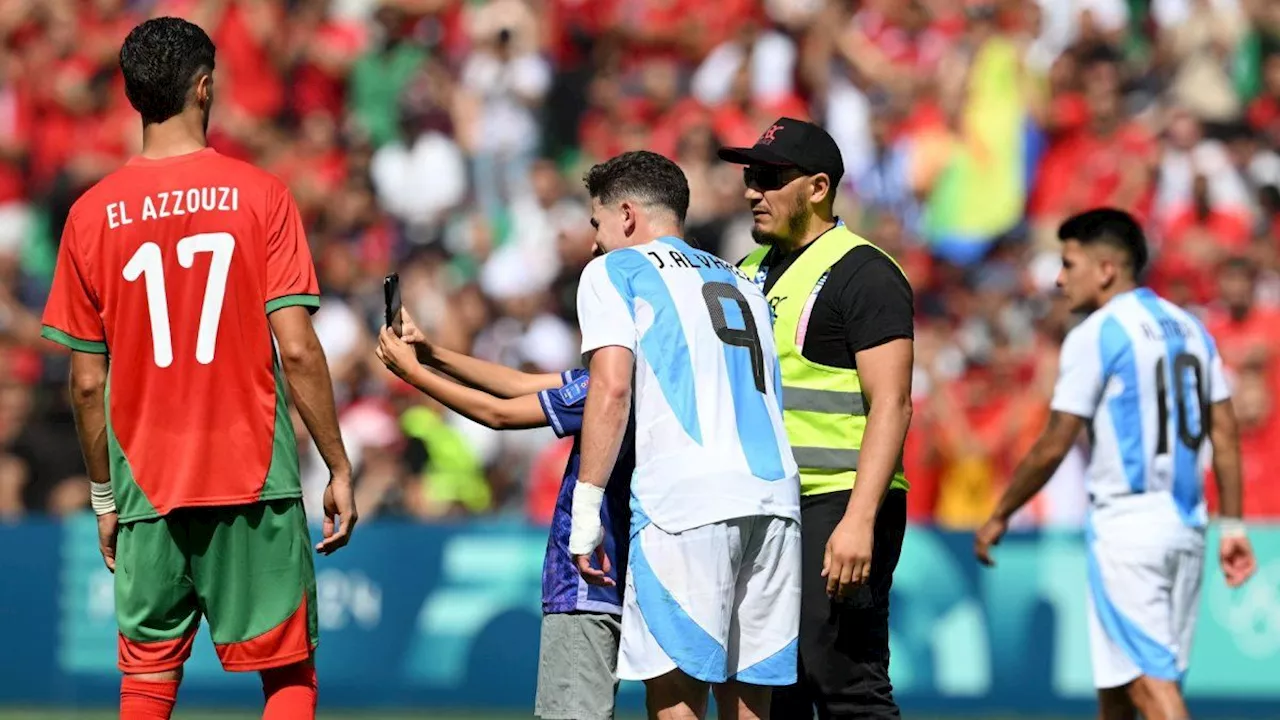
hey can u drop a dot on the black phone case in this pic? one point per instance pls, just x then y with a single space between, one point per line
391 296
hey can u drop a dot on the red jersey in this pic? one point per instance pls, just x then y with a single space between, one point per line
171 267
1083 170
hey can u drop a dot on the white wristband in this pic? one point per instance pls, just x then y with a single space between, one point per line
1231 527
585 532
102 499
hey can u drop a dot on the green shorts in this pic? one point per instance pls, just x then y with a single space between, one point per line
246 568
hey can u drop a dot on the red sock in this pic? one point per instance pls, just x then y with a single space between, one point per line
147 699
291 692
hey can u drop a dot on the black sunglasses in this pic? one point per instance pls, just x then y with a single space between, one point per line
769 177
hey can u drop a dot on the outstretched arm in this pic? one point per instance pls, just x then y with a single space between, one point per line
490 377
495 412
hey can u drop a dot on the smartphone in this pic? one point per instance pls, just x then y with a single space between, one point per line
391 294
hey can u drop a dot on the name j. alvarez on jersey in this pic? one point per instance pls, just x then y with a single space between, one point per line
173 203
681 260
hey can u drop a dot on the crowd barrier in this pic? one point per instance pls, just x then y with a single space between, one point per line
435 617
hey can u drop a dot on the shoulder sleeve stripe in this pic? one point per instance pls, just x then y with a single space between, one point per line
307 301
74 343
548 409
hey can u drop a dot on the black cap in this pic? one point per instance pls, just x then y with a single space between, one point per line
792 142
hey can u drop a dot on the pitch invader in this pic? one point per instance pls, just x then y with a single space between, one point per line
1145 377
581 621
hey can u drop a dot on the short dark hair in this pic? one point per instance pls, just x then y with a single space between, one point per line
160 60
1108 226
1101 53
643 176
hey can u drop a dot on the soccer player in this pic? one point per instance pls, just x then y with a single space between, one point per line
578 654
174 274
1144 377
713 580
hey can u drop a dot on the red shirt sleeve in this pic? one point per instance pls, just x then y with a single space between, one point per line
291 275
71 316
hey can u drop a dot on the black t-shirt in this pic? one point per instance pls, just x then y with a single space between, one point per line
865 302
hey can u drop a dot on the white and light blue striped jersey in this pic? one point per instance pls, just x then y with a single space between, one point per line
1145 372
710 443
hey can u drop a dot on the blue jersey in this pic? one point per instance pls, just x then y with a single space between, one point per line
563 589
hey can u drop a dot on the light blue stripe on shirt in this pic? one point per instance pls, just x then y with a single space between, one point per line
1182 398
664 345
1125 407
755 425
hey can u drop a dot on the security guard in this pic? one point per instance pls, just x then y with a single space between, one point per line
844 332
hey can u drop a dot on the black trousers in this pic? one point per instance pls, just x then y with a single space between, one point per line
844 645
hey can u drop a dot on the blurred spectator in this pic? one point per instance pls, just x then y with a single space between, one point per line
537 218
36 470
421 174
887 183
507 79
769 57
1190 157
380 75
1201 36
1245 333
1109 161
15 134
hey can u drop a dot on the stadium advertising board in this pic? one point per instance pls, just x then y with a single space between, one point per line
435 617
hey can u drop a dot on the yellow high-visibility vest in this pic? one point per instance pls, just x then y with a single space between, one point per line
824 410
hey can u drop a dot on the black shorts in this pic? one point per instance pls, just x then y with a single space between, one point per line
844 646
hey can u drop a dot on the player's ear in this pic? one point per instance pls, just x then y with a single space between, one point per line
1108 271
204 89
629 217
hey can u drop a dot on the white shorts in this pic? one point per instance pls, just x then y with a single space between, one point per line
1143 602
720 602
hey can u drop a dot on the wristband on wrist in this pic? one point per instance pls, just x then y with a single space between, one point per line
101 498
585 531
1231 527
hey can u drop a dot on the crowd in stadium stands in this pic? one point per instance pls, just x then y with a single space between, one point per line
446 139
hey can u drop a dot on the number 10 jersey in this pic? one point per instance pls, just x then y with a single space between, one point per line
710 441
1144 372
171 267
